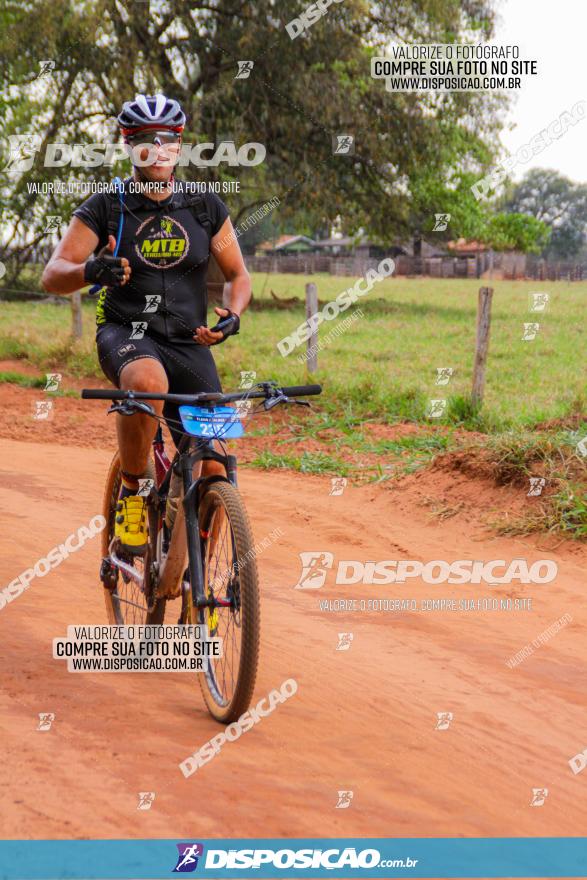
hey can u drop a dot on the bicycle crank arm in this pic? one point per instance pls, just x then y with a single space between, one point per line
214 603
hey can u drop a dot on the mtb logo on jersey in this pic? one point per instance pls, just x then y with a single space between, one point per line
162 242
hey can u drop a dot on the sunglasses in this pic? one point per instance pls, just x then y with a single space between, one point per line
153 137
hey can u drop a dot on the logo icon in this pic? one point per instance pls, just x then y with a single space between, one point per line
145 486
187 860
444 375
42 409
164 246
22 149
125 349
539 795
441 222
314 568
343 144
537 484
53 380
247 378
138 329
52 223
344 641
444 719
338 485
46 719
47 68
146 799
530 331
153 301
344 800
244 69
242 409
436 408
538 301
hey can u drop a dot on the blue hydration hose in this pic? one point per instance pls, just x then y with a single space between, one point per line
119 188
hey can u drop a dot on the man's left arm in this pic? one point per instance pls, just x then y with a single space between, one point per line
225 248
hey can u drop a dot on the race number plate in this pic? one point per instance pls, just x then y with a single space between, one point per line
216 423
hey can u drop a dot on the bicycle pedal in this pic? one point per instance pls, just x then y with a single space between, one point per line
108 574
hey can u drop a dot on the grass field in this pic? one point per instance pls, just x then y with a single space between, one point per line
383 369
384 366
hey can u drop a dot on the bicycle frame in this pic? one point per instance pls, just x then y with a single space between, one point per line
207 539
183 462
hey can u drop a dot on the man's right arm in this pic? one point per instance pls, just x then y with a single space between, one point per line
64 273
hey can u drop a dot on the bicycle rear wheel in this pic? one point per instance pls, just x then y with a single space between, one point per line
231 580
126 602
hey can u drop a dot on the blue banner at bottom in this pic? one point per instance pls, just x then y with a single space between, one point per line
276 858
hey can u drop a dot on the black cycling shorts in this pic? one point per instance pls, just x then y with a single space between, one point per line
189 366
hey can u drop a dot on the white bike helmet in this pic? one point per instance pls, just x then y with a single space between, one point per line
151 111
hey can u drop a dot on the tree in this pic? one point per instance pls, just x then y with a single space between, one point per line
465 216
299 96
515 232
556 201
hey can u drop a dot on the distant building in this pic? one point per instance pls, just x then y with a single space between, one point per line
463 248
347 246
287 244
483 261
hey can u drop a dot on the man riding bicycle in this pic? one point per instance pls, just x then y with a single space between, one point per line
151 262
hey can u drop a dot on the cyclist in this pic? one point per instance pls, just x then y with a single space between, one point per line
151 331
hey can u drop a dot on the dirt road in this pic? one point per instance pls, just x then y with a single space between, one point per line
362 720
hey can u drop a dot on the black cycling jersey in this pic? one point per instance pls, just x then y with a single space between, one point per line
168 251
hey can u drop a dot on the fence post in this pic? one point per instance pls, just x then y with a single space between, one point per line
482 344
76 314
312 344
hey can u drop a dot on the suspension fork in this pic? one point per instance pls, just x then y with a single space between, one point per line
192 526
191 507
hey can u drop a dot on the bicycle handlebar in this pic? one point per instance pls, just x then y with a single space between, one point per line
201 397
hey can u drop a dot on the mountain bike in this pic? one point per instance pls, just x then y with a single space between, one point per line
200 543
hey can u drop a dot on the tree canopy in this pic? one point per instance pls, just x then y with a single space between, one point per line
412 151
559 203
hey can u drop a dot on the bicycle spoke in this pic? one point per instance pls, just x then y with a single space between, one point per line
221 576
128 602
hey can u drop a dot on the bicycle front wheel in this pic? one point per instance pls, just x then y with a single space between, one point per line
231 583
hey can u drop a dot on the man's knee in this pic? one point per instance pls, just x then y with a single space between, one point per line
145 374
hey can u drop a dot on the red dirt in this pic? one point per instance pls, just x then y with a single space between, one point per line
363 719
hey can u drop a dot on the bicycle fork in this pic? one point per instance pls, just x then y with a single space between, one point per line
200 596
